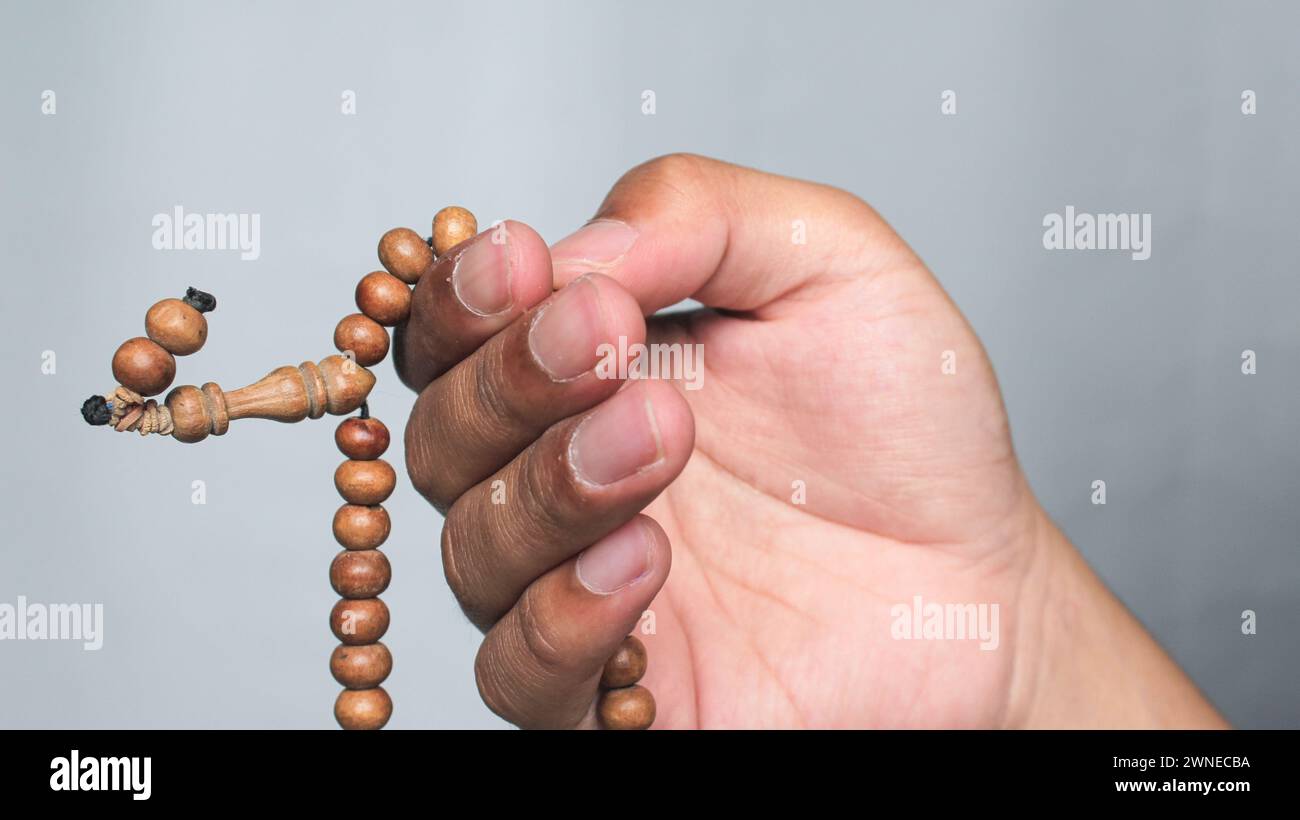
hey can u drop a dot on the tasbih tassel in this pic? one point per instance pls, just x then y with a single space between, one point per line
125 411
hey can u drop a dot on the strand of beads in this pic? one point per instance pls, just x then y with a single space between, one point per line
361 572
623 704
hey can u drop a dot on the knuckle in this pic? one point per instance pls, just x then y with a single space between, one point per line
519 662
675 178
454 569
493 392
421 461
552 490
680 166
450 567
867 241
488 678
856 211
539 637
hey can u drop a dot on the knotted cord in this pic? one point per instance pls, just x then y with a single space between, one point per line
125 410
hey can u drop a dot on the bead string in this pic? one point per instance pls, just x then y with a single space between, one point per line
360 663
361 572
131 412
145 366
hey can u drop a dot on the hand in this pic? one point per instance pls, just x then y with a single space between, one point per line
826 473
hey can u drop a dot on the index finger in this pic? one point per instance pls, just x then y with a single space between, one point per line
467 296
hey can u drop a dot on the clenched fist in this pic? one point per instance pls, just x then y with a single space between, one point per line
846 453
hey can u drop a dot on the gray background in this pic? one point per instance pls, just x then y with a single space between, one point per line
1112 369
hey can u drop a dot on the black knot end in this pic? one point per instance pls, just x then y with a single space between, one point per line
95 411
200 301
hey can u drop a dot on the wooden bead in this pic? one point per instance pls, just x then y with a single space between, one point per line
206 405
365 482
384 298
362 439
360 573
361 527
365 337
630 708
452 226
339 385
144 366
179 328
363 709
360 621
404 254
361 667
626 666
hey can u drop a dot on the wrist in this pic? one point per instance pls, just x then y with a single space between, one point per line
1082 659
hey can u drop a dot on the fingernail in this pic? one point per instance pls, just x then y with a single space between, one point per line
616 561
481 278
618 440
596 245
567 331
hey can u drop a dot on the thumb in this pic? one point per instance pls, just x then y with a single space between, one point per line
684 226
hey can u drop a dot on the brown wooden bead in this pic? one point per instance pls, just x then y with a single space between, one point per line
360 573
362 439
339 386
365 337
365 482
189 414
178 327
359 621
384 298
361 527
144 366
626 666
361 667
404 254
630 708
452 226
363 709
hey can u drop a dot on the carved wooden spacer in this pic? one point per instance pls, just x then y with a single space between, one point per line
336 385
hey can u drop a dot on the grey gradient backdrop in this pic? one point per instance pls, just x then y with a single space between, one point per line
1112 369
